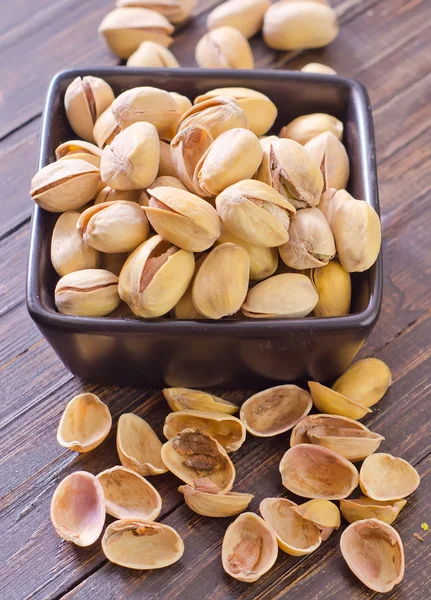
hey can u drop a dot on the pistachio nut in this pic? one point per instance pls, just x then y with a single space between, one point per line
300 431
187 149
366 381
264 173
124 29
216 115
306 127
110 195
114 263
187 399
318 68
69 253
386 477
105 129
131 161
138 447
331 157
296 25
358 236
161 181
84 101
323 513
334 288
221 283
176 11
331 402
84 424
65 185
357 509
244 15
330 202
155 276
210 504
289 295
224 48
151 54
166 166
249 548
78 149
87 293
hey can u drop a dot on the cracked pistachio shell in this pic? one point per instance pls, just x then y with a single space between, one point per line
224 48
318 68
234 156
221 283
357 509
374 552
105 128
69 253
84 424
131 161
311 243
151 54
142 545
87 293
366 381
323 513
210 504
315 472
183 218
358 236
249 548
290 25
84 101
331 157
176 11
162 181
108 194
128 495
216 115
329 401
261 112
79 149
124 29
65 185
307 127
295 535
300 431
198 459
184 308
188 399
187 149
138 446
353 444
289 295
275 410
333 285
244 15
78 508
330 202
386 477
256 213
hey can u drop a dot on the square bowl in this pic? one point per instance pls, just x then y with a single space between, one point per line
244 353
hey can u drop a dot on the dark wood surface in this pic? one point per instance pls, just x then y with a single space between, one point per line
385 44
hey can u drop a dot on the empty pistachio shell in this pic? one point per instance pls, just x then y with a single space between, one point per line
386 477
143 545
129 495
275 410
224 48
329 401
78 508
249 548
176 11
316 472
87 293
84 424
330 202
366 381
331 157
300 431
318 68
353 444
187 148
366 508
307 127
108 194
184 398
69 253
138 446
151 54
334 287
244 15
215 505
322 513
216 115
289 295
374 552
196 457
105 128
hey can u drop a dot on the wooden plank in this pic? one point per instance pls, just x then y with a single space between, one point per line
14 249
18 334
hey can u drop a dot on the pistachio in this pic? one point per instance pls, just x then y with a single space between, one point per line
264 172
79 149
306 127
114 263
124 29
184 308
187 148
318 68
244 15
210 504
176 11
333 285
151 54
183 103
155 277
161 182
166 166
187 399
386 477
323 513
110 195
224 48
330 202
69 252
366 381
84 101
353 444
87 293
105 128
131 161
216 115
330 401
84 424
138 446
331 157
357 509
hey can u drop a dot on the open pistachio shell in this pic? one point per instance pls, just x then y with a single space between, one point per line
275 410
295 535
78 508
128 495
366 381
300 431
138 446
353 444
374 552
187 148
209 504
329 401
184 398
139 544
365 508
323 513
386 477
331 157
249 548
316 472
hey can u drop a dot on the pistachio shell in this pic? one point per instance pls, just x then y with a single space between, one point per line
329 401
84 424
183 102
365 508
162 181
184 308
332 159
300 431
386 477
69 253
105 128
224 48
151 54
307 127
87 293
215 505
366 381
138 446
108 194
77 147
330 202
187 149
176 11
323 513
186 399
353 444
244 15
216 115
318 68
334 287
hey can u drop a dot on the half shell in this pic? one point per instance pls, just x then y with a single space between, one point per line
365 508
184 398
209 504
353 444
300 431
386 477
329 401
138 446
322 513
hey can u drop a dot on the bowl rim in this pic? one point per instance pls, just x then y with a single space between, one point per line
247 328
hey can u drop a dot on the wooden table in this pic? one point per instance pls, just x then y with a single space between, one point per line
386 44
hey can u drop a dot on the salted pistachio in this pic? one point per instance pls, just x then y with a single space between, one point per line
307 127
151 54
366 381
182 218
374 552
357 509
124 29
187 148
85 100
311 243
289 295
187 399
244 15
65 185
358 236
329 401
210 504
297 25
155 276
114 262
131 161
318 68
87 293
249 548
84 424
221 283
275 410
176 11
184 308
198 459
334 288
105 129
224 48
216 115
108 194
256 213
69 253
128 495
261 112
330 202
386 477
78 508
295 535
332 159
162 181
316 472
143 545
138 446
79 149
